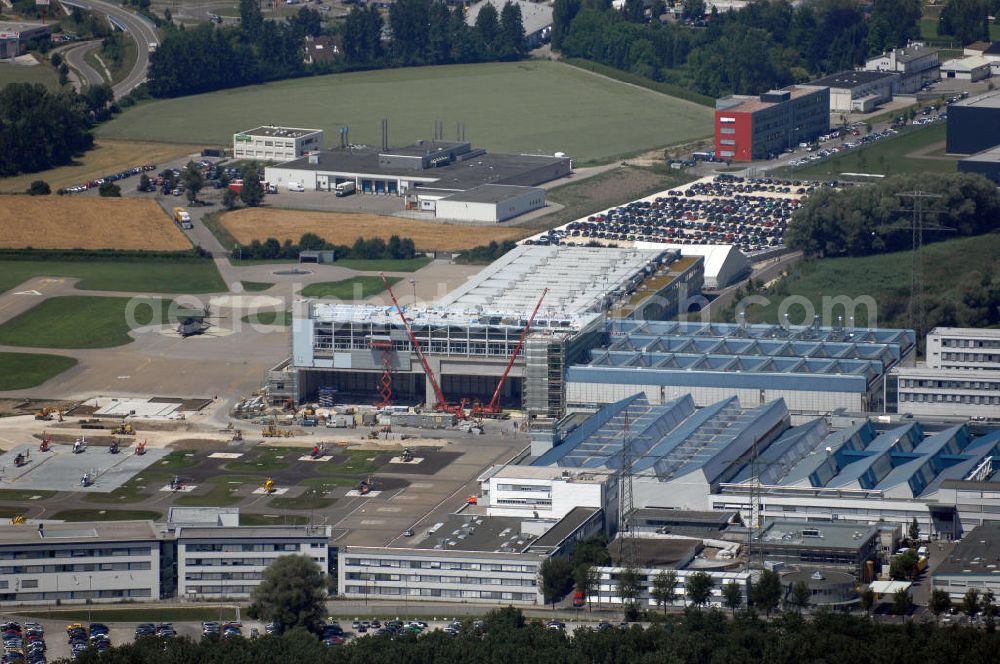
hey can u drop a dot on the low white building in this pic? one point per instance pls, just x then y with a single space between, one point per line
270 143
916 63
605 591
963 348
970 68
74 563
858 91
548 492
228 563
488 203
948 392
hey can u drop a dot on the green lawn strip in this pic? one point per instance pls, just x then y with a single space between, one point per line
185 614
107 515
269 318
642 81
272 519
220 495
80 321
9 512
357 463
265 458
176 461
134 276
20 371
385 264
355 288
311 499
221 233
885 277
135 490
886 157
24 494
255 286
42 73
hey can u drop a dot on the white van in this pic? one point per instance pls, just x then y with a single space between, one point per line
296 186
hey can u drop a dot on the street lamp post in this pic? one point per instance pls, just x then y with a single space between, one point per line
413 285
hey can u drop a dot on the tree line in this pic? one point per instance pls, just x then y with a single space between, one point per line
767 44
505 635
873 219
417 32
41 129
396 248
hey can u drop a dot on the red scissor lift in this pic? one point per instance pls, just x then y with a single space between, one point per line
442 405
384 346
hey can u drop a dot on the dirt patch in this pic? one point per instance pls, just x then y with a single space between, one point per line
51 222
344 227
11 407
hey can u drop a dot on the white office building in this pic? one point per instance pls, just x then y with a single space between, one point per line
228 563
270 143
963 348
547 492
605 591
70 563
948 392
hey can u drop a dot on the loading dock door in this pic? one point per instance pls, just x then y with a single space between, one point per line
323 182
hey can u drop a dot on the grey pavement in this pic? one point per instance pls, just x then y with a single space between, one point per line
74 56
139 29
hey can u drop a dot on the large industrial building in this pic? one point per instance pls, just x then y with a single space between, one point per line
961 377
272 143
916 64
463 178
16 36
973 563
974 124
719 458
748 128
814 369
469 335
858 91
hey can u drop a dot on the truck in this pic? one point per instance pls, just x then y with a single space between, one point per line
345 188
296 186
182 217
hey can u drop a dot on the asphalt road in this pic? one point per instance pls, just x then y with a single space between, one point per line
74 57
139 29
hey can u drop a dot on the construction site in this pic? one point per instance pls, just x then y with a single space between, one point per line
501 340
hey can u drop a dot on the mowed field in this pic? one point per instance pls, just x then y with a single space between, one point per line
44 74
107 157
344 228
65 222
535 106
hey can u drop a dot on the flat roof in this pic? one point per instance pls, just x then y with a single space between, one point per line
423 148
962 374
83 532
970 332
280 132
977 553
21 26
203 516
552 473
986 100
565 527
685 517
471 532
535 16
913 52
491 193
852 79
968 63
657 552
254 532
990 156
817 535
754 104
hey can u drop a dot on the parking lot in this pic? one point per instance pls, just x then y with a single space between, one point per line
751 213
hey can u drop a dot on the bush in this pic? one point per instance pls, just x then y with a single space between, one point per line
371 249
110 190
39 188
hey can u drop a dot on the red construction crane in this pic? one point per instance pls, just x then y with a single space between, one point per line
493 407
442 403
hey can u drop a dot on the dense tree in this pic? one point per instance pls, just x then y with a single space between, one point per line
488 28
914 530
109 190
39 188
902 602
511 43
970 602
251 20
903 565
628 587
940 602
40 129
867 600
291 593
556 577
194 180
766 593
663 590
893 24
694 9
965 20
362 34
409 20
563 13
699 588
252 191
732 596
868 220
800 596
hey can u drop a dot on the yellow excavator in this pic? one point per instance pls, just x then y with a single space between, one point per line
269 486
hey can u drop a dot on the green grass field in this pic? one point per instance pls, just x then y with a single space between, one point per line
269 318
888 156
44 74
19 371
255 286
79 321
384 265
355 288
107 515
886 278
136 277
272 519
538 107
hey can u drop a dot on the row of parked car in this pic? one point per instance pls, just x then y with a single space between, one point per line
726 210
96 636
22 645
114 177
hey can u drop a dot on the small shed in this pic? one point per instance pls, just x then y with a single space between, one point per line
324 256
